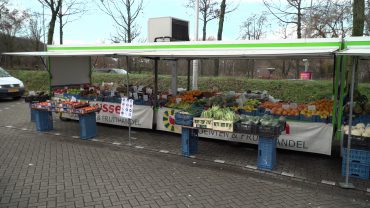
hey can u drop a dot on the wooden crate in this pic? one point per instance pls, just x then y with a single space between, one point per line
220 125
203 123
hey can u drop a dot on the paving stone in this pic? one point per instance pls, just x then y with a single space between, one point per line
74 173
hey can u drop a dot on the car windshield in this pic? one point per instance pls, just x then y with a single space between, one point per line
3 73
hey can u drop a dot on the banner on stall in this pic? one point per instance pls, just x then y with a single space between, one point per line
304 136
165 120
110 114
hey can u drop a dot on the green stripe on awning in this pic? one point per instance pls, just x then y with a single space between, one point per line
358 43
199 46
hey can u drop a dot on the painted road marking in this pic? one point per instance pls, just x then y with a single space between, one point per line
75 137
332 183
116 143
251 167
139 147
287 174
164 151
57 134
219 161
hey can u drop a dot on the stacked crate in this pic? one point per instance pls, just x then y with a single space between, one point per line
359 163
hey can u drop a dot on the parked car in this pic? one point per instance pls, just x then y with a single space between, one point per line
10 87
111 70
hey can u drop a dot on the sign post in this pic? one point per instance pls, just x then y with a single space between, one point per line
127 110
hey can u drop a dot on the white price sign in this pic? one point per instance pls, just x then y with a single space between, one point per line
136 96
293 105
311 107
127 108
145 97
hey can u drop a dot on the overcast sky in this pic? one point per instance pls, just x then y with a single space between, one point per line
97 27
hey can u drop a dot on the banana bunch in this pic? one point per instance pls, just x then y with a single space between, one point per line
252 102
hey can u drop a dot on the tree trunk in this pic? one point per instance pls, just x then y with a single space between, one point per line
51 28
221 21
358 26
358 17
60 30
299 21
128 8
204 30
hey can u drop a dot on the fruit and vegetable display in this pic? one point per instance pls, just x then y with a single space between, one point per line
75 107
359 130
319 111
36 97
218 113
106 92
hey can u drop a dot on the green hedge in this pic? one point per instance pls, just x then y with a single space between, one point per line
288 90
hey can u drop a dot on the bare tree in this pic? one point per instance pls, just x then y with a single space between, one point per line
3 4
70 10
254 27
208 11
12 22
35 31
289 12
329 19
11 25
54 6
124 14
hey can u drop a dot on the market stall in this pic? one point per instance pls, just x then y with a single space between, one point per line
310 131
356 133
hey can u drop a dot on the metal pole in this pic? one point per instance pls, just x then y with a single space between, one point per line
188 86
43 28
196 62
155 82
128 97
347 184
174 77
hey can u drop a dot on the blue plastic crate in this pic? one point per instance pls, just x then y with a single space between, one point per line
293 117
139 102
189 141
364 119
261 111
87 125
304 118
244 112
357 156
183 119
44 120
67 95
356 170
266 153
